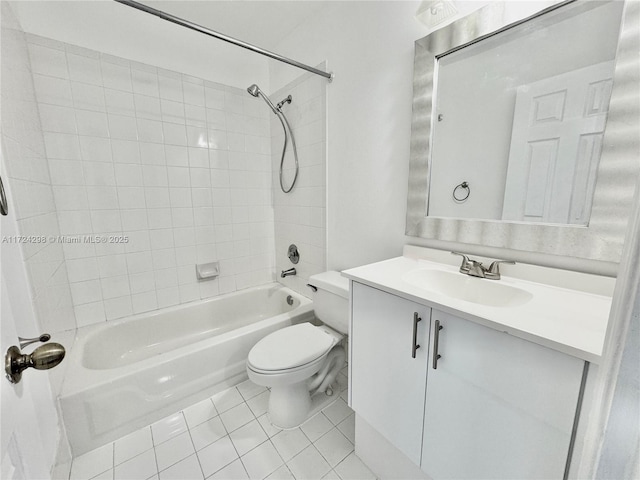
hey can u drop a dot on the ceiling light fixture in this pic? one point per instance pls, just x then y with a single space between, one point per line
434 12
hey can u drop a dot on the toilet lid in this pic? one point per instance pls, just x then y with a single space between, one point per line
290 347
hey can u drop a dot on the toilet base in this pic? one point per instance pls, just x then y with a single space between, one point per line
319 401
289 405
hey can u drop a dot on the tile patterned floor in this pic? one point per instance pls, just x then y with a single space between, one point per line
228 436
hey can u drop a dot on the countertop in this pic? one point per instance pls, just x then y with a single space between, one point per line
570 321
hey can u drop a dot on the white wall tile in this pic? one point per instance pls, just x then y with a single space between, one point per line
145 83
125 151
116 77
118 307
98 173
53 90
131 197
88 97
182 169
119 102
95 149
122 127
170 88
57 119
177 155
84 69
147 107
81 270
149 130
193 94
66 172
195 115
62 146
142 282
92 123
86 292
174 134
144 302
48 61
112 266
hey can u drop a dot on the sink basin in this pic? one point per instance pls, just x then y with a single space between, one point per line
470 289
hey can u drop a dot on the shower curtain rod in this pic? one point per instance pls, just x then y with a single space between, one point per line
212 33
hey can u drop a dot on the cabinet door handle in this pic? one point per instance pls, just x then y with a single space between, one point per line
436 339
415 345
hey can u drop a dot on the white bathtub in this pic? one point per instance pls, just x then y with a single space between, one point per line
126 374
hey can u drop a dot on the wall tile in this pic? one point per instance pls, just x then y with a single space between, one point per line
116 77
57 119
145 83
300 216
84 69
119 103
178 165
122 127
48 61
52 90
88 97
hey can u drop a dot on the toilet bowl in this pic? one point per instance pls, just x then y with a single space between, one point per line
300 360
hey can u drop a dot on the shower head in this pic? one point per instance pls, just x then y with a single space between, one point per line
255 91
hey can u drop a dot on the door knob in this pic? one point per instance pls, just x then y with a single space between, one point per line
42 358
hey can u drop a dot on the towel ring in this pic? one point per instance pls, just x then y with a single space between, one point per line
461 197
4 207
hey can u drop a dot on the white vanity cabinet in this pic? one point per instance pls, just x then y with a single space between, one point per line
495 406
387 382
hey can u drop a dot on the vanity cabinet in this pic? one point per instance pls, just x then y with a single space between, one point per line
497 406
387 383
494 406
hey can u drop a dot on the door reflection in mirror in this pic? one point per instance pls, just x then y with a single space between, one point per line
523 114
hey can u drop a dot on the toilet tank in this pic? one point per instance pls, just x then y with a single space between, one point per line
331 300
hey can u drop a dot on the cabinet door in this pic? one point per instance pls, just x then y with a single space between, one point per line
497 406
387 382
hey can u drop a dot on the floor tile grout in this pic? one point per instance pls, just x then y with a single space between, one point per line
250 392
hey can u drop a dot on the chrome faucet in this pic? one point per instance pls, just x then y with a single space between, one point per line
286 273
475 268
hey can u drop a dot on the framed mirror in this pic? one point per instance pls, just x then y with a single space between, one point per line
514 142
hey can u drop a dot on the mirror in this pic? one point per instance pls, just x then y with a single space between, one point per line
532 130
509 124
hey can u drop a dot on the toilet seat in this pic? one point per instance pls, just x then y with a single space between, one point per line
290 349
288 371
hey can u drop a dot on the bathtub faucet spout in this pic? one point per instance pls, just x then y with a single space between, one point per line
286 273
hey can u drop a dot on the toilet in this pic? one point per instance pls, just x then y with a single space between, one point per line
299 361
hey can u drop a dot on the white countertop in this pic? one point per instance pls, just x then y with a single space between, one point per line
570 321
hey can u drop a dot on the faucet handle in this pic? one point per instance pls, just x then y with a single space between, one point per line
466 263
494 269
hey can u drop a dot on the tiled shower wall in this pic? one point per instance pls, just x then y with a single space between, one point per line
29 184
164 170
300 216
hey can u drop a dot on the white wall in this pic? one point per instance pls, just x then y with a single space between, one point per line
369 46
109 27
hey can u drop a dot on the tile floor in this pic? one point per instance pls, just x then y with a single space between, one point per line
228 436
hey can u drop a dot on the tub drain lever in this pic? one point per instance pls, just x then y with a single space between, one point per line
45 337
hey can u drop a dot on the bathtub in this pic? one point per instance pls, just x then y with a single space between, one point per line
123 375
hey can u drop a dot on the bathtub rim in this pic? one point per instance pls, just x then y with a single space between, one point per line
84 378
